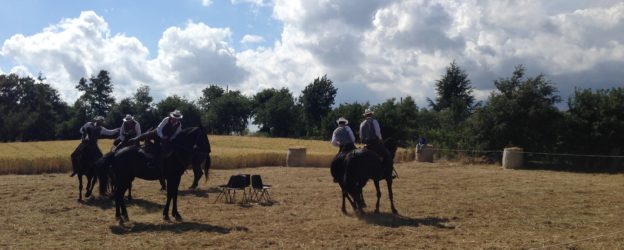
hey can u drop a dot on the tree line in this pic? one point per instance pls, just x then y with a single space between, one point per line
521 111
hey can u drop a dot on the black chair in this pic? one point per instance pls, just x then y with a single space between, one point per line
236 182
260 190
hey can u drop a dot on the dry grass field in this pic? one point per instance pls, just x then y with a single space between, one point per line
442 206
228 152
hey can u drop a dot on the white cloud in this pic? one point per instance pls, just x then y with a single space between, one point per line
249 39
80 47
21 71
372 50
254 2
206 3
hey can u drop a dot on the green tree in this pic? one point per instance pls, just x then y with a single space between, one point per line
595 122
229 113
521 112
31 109
454 92
191 113
143 108
209 95
397 119
117 112
351 111
97 94
317 99
274 111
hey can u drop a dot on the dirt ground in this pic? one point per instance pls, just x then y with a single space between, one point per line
441 206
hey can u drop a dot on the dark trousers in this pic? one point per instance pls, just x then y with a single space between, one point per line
337 165
378 147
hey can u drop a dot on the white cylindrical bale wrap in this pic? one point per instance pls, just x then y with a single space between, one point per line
296 157
513 158
425 154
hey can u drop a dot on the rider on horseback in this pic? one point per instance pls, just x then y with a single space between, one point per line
130 128
166 131
91 132
344 139
370 134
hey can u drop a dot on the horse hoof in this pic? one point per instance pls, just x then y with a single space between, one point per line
344 211
177 217
394 211
166 218
376 211
192 187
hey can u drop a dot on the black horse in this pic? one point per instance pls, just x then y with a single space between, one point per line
198 160
131 162
83 163
358 166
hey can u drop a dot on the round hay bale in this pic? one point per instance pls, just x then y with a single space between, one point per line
513 158
425 154
296 157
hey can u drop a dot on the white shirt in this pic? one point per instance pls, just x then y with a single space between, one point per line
334 140
137 130
103 130
159 129
375 127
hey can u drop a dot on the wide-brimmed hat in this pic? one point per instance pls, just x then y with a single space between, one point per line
99 118
342 119
176 114
368 112
128 118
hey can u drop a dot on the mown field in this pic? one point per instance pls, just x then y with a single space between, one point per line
441 205
227 152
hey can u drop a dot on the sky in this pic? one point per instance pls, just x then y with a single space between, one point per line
371 49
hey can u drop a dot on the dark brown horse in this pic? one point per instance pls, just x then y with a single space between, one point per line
83 163
198 160
131 162
359 166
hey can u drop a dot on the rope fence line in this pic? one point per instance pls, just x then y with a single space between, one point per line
536 153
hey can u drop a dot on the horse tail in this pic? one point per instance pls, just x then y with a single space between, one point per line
207 163
102 167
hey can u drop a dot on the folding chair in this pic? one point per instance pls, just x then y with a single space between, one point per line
236 182
260 190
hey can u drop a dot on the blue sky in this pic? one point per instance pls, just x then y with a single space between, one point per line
372 49
142 18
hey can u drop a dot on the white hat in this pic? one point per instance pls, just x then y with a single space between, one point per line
176 114
342 119
128 118
368 112
99 118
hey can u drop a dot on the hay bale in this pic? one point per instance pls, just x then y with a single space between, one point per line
513 158
296 157
425 154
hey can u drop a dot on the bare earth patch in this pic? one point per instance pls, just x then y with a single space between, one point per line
441 206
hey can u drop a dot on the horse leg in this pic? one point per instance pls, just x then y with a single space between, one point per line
130 192
118 202
389 181
344 197
378 196
197 174
163 184
173 186
166 209
90 185
79 187
358 201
